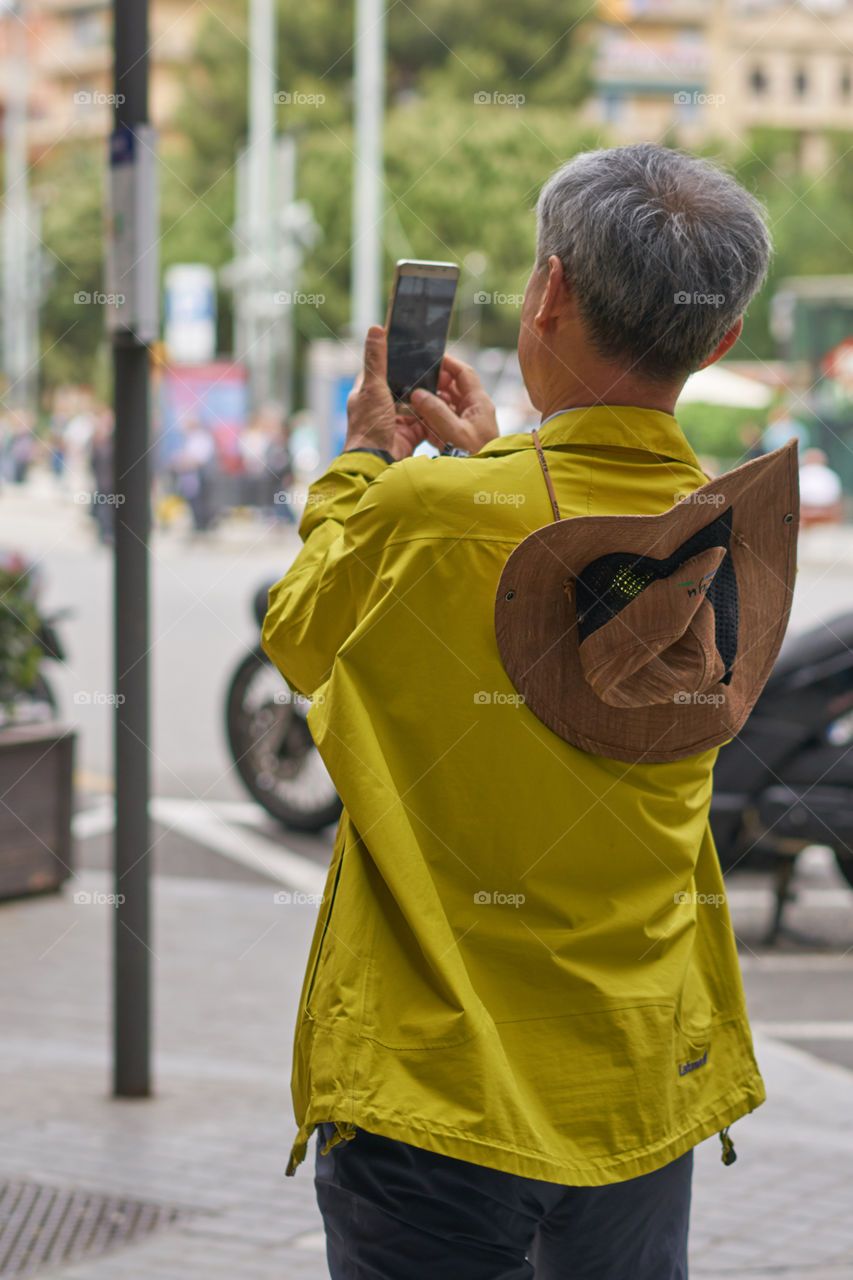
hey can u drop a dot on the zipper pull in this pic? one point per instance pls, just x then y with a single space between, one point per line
729 1154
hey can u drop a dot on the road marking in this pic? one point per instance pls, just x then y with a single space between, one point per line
208 826
822 899
794 963
805 1030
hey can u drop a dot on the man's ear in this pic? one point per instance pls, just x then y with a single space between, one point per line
726 344
554 297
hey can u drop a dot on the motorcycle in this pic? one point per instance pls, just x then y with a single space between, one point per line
784 783
271 743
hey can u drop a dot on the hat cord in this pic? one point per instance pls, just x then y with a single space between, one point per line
546 473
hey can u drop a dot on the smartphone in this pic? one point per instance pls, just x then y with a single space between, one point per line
417 324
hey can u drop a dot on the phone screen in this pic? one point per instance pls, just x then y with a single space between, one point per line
417 332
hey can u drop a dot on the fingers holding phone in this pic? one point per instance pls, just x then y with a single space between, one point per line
460 413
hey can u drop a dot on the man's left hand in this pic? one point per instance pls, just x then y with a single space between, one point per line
373 419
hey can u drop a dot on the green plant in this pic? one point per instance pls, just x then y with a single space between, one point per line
20 626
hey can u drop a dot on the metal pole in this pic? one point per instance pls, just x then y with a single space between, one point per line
131 990
367 175
259 164
18 357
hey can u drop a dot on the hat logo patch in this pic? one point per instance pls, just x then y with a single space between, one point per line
698 588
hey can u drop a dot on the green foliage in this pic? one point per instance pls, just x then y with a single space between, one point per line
714 430
460 175
70 184
20 652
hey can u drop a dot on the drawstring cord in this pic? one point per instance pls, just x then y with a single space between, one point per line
729 1154
546 473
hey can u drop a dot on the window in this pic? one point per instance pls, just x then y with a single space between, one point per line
757 81
801 83
845 83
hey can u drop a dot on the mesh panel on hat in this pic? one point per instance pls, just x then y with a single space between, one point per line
612 581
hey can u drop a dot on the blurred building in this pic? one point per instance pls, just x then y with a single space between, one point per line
69 54
688 70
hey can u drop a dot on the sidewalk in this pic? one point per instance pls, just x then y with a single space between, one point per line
214 1142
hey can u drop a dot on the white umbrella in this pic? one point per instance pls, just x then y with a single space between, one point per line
716 385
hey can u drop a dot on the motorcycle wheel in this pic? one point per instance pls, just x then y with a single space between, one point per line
273 750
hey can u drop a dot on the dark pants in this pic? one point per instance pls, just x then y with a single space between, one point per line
395 1212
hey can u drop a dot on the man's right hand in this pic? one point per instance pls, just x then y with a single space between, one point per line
461 414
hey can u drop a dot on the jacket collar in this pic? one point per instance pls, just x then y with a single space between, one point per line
608 426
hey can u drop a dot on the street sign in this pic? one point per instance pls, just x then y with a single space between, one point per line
132 241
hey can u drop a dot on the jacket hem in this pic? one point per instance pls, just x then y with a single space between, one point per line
510 1159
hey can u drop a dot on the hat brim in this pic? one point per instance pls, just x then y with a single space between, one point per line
536 626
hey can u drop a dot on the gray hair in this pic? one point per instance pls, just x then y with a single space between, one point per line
662 250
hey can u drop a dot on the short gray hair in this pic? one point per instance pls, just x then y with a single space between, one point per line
662 250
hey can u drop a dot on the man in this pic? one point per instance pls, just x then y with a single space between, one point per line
521 1011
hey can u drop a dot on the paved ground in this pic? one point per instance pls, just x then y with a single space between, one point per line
228 963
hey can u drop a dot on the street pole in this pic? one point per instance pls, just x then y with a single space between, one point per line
19 356
367 173
259 174
132 849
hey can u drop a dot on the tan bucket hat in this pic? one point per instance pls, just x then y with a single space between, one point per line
650 637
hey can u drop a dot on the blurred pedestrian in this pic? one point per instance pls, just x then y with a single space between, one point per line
782 427
820 490
279 475
196 469
101 455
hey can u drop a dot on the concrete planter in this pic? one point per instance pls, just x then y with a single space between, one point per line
36 763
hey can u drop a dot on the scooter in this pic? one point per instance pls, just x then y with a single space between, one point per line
784 783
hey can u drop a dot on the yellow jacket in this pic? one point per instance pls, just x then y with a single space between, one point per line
523 957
